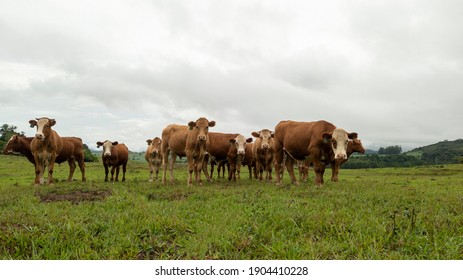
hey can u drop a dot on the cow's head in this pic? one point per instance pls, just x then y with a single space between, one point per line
338 139
107 146
266 137
43 127
240 143
12 145
355 146
154 146
201 127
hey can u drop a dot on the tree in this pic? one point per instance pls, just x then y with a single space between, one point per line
390 150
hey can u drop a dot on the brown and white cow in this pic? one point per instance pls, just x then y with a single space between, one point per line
153 156
114 155
236 155
45 147
72 151
217 149
263 150
196 144
320 140
354 146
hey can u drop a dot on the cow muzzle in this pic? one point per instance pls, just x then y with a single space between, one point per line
241 152
202 138
40 136
341 156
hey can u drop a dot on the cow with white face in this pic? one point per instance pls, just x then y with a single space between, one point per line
263 150
45 147
338 140
114 155
236 155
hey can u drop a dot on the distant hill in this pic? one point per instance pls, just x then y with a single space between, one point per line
440 153
445 152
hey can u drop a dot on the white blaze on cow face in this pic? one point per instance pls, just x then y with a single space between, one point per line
43 127
339 139
266 137
107 145
240 143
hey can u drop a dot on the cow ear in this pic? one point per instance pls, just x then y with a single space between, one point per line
99 144
255 134
160 141
52 122
115 143
352 135
232 141
249 140
327 136
211 123
33 123
191 124
272 135
149 141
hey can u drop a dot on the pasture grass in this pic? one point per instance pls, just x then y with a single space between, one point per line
391 213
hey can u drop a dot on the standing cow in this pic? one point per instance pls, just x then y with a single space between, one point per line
320 140
236 155
153 156
263 150
72 151
45 147
217 149
114 155
354 146
196 144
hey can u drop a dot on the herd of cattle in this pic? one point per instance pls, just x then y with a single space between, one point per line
318 143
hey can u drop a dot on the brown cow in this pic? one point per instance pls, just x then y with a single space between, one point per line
173 142
153 156
72 150
236 155
45 147
320 140
114 155
353 146
196 144
263 151
249 160
217 149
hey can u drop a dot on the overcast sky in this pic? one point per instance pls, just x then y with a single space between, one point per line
122 70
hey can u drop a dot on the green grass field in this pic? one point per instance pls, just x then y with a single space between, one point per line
402 213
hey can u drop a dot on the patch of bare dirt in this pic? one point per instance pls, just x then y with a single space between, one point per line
75 197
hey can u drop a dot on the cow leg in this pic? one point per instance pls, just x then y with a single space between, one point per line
106 171
151 168
238 170
82 168
212 169
290 168
191 167
335 165
171 167
51 165
165 159
250 170
124 168
38 173
157 165
204 169
112 173
117 173
232 171
319 169
72 168
268 163
278 160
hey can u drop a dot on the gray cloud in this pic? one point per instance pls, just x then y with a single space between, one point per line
390 71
